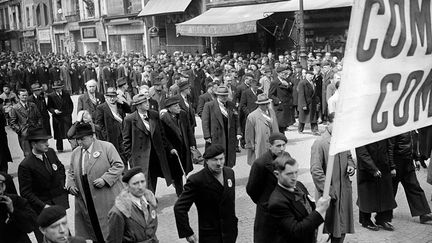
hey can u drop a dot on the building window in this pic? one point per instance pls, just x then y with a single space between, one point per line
89 32
38 15
127 6
2 22
28 16
45 10
90 8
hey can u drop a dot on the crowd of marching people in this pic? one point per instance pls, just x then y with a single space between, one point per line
135 123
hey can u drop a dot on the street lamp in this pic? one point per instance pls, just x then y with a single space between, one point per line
302 41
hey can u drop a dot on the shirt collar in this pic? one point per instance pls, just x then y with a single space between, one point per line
137 200
145 115
39 156
24 104
89 148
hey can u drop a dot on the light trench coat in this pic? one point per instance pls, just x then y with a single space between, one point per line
257 133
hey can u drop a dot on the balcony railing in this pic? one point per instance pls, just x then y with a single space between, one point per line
73 16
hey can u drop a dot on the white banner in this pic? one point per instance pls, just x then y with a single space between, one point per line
386 82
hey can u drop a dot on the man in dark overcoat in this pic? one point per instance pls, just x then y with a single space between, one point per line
179 134
75 77
220 124
90 99
206 97
54 72
212 190
43 77
89 73
281 92
307 104
259 192
5 154
375 169
144 142
327 76
38 98
185 104
41 175
61 107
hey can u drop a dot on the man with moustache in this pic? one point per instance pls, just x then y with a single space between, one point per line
213 191
259 192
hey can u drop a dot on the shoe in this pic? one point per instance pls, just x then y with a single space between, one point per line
425 218
386 226
371 226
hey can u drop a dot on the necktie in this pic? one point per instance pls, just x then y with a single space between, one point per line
86 156
144 209
223 110
146 123
47 164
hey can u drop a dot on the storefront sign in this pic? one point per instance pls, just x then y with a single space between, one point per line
89 32
44 35
386 86
29 33
218 30
125 29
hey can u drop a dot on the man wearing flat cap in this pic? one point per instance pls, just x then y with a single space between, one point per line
133 217
41 175
17 219
93 178
308 104
281 91
259 192
220 124
212 189
54 226
179 134
144 142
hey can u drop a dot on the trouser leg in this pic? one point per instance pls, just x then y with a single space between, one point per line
314 127
339 239
364 218
282 129
178 185
384 216
415 195
301 127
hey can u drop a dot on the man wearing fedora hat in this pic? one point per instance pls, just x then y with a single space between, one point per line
259 125
178 132
220 124
24 115
308 104
145 142
110 118
61 107
41 175
94 180
123 95
38 98
185 105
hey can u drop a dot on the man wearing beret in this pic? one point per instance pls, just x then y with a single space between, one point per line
133 217
145 142
41 175
213 191
259 192
179 134
93 177
17 219
54 226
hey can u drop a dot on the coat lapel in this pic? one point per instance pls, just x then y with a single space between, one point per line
218 112
139 123
138 216
172 124
93 156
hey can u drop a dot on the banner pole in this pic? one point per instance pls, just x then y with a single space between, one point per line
327 183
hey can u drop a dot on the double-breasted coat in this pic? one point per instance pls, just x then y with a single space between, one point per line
307 97
257 133
215 204
140 144
282 96
262 170
41 104
339 217
85 103
41 185
179 135
111 129
221 132
104 163
63 121
375 194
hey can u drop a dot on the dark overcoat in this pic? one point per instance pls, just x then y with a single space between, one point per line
204 98
40 186
42 74
326 80
214 128
89 73
180 136
307 97
140 144
54 74
282 96
189 110
247 102
75 80
375 194
111 129
215 204
294 223
63 121
259 192
85 103
41 104
5 155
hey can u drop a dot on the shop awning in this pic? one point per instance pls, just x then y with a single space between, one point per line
157 7
239 20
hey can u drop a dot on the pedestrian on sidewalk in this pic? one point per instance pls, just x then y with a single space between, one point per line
259 192
402 147
339 219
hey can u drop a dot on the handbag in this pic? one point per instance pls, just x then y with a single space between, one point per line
197 157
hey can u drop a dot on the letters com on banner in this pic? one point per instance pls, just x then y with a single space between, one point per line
386 82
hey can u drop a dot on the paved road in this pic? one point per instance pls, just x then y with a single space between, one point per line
408 229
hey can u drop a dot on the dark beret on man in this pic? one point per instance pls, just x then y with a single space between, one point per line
50 215
277 136
213 151
131 173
